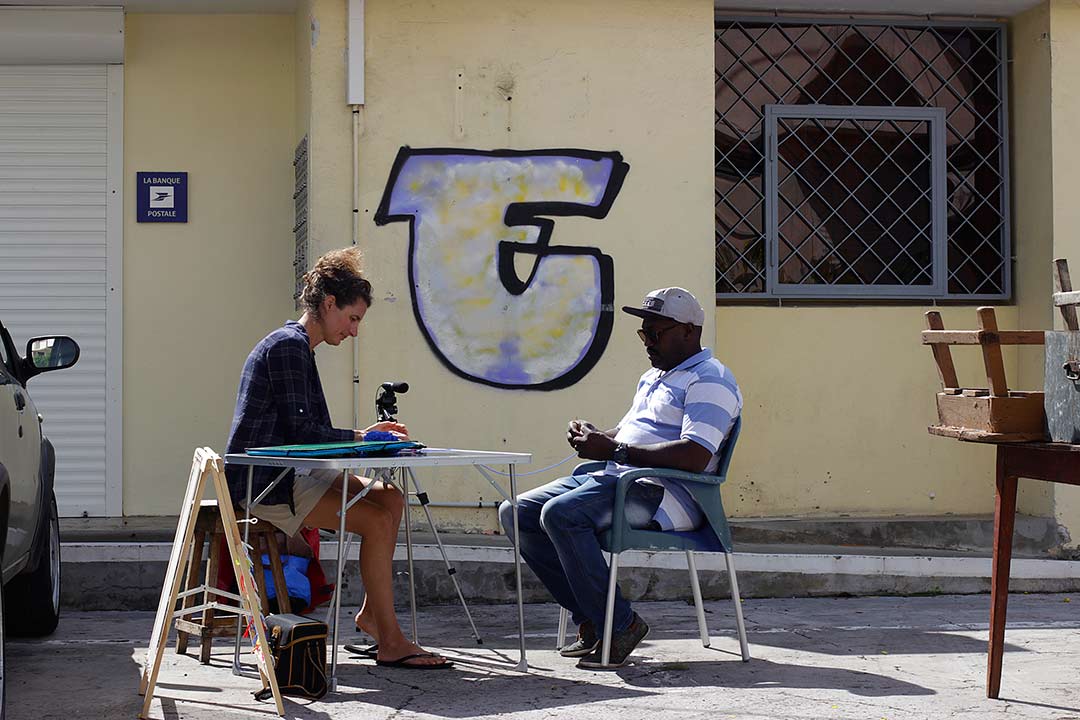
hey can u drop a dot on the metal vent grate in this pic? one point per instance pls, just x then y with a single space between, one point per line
300 226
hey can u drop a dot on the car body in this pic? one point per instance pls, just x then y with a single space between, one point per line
29 524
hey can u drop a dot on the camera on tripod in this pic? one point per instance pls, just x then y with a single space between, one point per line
386 400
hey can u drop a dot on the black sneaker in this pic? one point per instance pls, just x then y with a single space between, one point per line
586 642
623 643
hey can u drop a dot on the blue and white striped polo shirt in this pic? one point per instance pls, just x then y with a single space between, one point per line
696 400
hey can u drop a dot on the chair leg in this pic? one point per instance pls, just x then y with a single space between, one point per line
696 588
194 570
609 612
260 571
277 572
211 581
560 638
738 606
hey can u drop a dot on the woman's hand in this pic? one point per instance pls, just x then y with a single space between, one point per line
396 428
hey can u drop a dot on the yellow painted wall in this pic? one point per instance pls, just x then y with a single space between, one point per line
331 176
1065 89
302 71
837 404
212 95
838 398
635 77
842 396
1032 205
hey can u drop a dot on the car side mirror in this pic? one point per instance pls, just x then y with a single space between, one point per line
49 353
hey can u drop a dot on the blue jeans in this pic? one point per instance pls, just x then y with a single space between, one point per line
558 526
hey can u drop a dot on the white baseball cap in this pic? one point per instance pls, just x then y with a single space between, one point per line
675 303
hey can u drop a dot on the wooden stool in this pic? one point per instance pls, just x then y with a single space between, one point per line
262 536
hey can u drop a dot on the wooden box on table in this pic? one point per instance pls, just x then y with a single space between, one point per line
993 413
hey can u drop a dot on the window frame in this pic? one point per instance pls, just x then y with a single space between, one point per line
934 117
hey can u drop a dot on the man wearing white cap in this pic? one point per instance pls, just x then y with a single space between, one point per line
682 411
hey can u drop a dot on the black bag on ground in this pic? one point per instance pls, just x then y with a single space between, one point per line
298 646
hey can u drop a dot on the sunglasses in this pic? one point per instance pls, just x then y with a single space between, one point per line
652 335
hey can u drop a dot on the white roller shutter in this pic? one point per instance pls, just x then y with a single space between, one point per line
59 261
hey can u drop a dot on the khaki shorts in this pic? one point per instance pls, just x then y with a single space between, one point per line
308 489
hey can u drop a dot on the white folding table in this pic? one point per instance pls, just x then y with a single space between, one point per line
404 464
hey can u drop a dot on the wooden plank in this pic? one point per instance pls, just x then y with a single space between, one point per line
190 627
949 337
970 435
942 354
995 365
1062 299
242 567
981 337
1021 337
224 626
1063 286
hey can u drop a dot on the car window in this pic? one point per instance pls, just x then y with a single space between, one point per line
6 359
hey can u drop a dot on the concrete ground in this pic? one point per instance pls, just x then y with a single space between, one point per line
867 658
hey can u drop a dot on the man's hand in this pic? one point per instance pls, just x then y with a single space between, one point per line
592 444
399 430
576 429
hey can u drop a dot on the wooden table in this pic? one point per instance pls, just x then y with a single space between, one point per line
1052 462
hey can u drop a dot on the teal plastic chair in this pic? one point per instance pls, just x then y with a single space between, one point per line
713 536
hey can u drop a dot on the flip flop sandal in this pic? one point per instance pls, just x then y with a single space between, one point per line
403 662
371 651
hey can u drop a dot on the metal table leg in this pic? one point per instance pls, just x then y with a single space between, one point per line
340 575
342 553
522 665
404 488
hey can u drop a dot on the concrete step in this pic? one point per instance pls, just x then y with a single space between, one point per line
122 575
1034 535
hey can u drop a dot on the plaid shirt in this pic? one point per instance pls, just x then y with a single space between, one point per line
280 401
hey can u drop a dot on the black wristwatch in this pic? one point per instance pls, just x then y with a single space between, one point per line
621 454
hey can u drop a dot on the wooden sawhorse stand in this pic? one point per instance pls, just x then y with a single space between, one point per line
207 466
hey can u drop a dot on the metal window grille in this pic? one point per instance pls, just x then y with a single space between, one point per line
957 68
300 226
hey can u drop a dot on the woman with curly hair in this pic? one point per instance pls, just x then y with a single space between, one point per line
281 401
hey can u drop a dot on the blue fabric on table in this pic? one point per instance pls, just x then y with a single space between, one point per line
379 436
